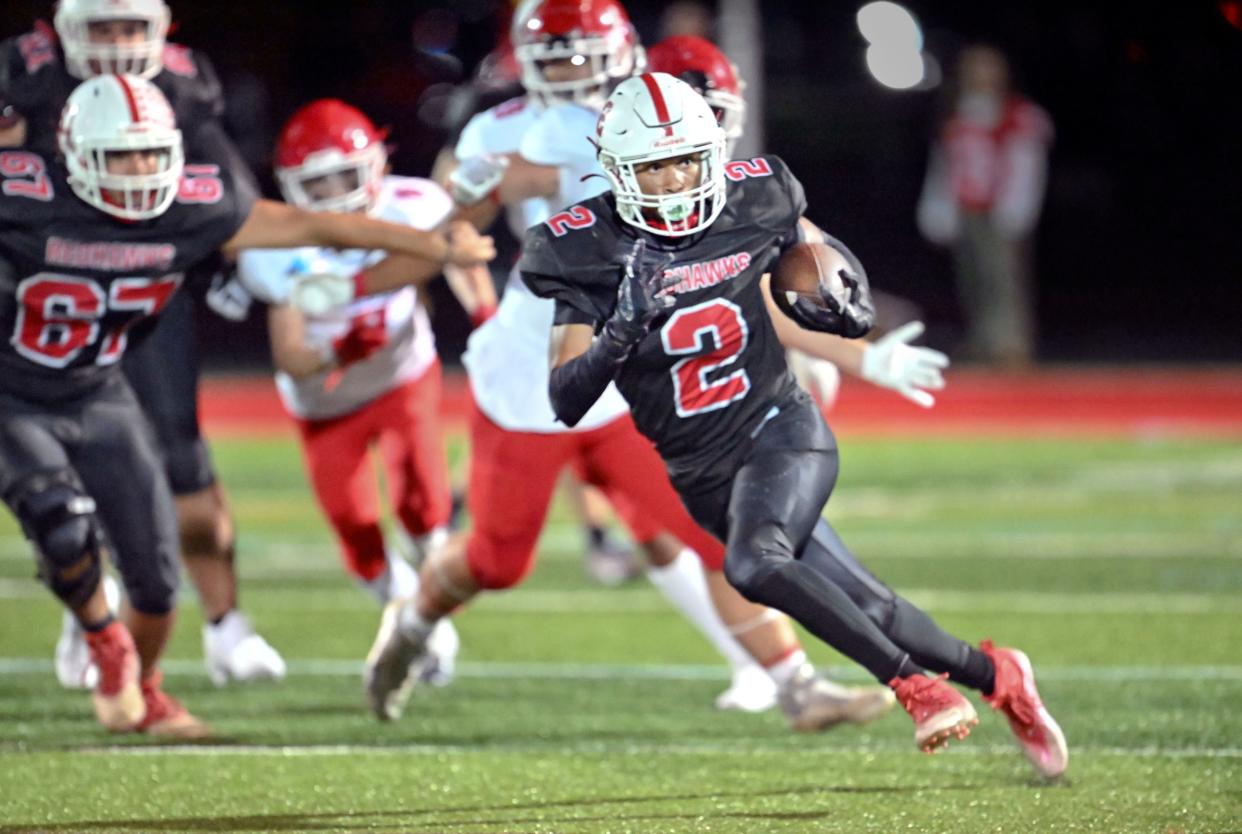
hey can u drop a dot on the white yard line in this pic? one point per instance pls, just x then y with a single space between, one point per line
327 667
634 748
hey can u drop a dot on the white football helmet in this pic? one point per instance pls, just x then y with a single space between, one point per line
117 114
84 59
656 116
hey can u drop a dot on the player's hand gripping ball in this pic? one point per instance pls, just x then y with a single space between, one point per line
815 285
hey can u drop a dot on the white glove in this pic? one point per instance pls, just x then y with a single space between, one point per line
476 177
316 293
227 297
891 362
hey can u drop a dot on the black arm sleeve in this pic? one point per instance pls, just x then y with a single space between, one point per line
575 386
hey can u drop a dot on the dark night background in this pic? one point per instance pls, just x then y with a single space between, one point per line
1140 246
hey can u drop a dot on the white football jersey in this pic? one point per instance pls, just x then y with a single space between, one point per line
269 275
507 357
499 131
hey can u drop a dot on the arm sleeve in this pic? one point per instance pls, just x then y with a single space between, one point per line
576 385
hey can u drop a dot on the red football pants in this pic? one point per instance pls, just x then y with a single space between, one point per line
405 423
513 475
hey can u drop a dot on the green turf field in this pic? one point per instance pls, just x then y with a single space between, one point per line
1116 564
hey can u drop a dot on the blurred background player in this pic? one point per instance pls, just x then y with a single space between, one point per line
88 250
608 559
814 358
40 69
749 453
533 154
981 198
365 374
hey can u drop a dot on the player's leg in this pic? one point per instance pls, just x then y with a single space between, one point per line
60 519
512 476
412 449
120 467
608 560
338 466
750 636
163 370
411 444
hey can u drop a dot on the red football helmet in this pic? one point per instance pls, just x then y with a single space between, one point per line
704 67
330 157
565 35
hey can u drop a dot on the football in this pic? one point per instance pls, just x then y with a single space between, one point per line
803 270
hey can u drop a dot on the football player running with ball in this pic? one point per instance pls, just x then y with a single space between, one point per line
88 249
657 288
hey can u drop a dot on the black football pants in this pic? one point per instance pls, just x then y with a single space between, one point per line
781 553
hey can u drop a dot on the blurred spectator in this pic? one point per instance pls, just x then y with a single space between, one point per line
982 196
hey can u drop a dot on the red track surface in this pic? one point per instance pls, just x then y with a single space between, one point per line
1102 401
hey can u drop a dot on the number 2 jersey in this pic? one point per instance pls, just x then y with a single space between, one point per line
269 275
73 280
711 370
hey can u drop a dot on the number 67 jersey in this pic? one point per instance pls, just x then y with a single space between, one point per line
709 370
73 280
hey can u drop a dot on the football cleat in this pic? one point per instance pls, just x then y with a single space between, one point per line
119 704
1015 695
812 703
395 653
939 711
166 717
439 666
72 661
752 690
233 651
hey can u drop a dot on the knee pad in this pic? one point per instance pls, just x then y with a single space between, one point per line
497 564
58 517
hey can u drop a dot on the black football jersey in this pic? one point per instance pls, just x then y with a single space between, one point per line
35 82
73 279
710 370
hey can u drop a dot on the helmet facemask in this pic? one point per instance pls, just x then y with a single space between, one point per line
672 215
607 60
330 180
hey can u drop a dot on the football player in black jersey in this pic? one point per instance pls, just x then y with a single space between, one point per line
88 249
38 70
658 288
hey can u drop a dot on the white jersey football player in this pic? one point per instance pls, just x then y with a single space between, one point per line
550 163
364 373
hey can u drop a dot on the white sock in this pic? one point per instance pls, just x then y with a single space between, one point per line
418 548
683 583
411 623
782 671
397 580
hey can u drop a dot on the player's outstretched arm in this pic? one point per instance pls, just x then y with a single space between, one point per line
889 362
274 225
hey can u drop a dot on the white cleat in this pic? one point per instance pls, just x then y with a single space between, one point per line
233 651
812 703
74 667
752 690
395 656
439 666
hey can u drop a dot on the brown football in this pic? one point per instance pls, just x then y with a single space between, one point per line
802 270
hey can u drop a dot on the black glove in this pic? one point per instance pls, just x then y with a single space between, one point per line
642 295
847 309
227 297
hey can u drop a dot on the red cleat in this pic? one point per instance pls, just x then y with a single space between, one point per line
166 716
118 701
1015 695
939 711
